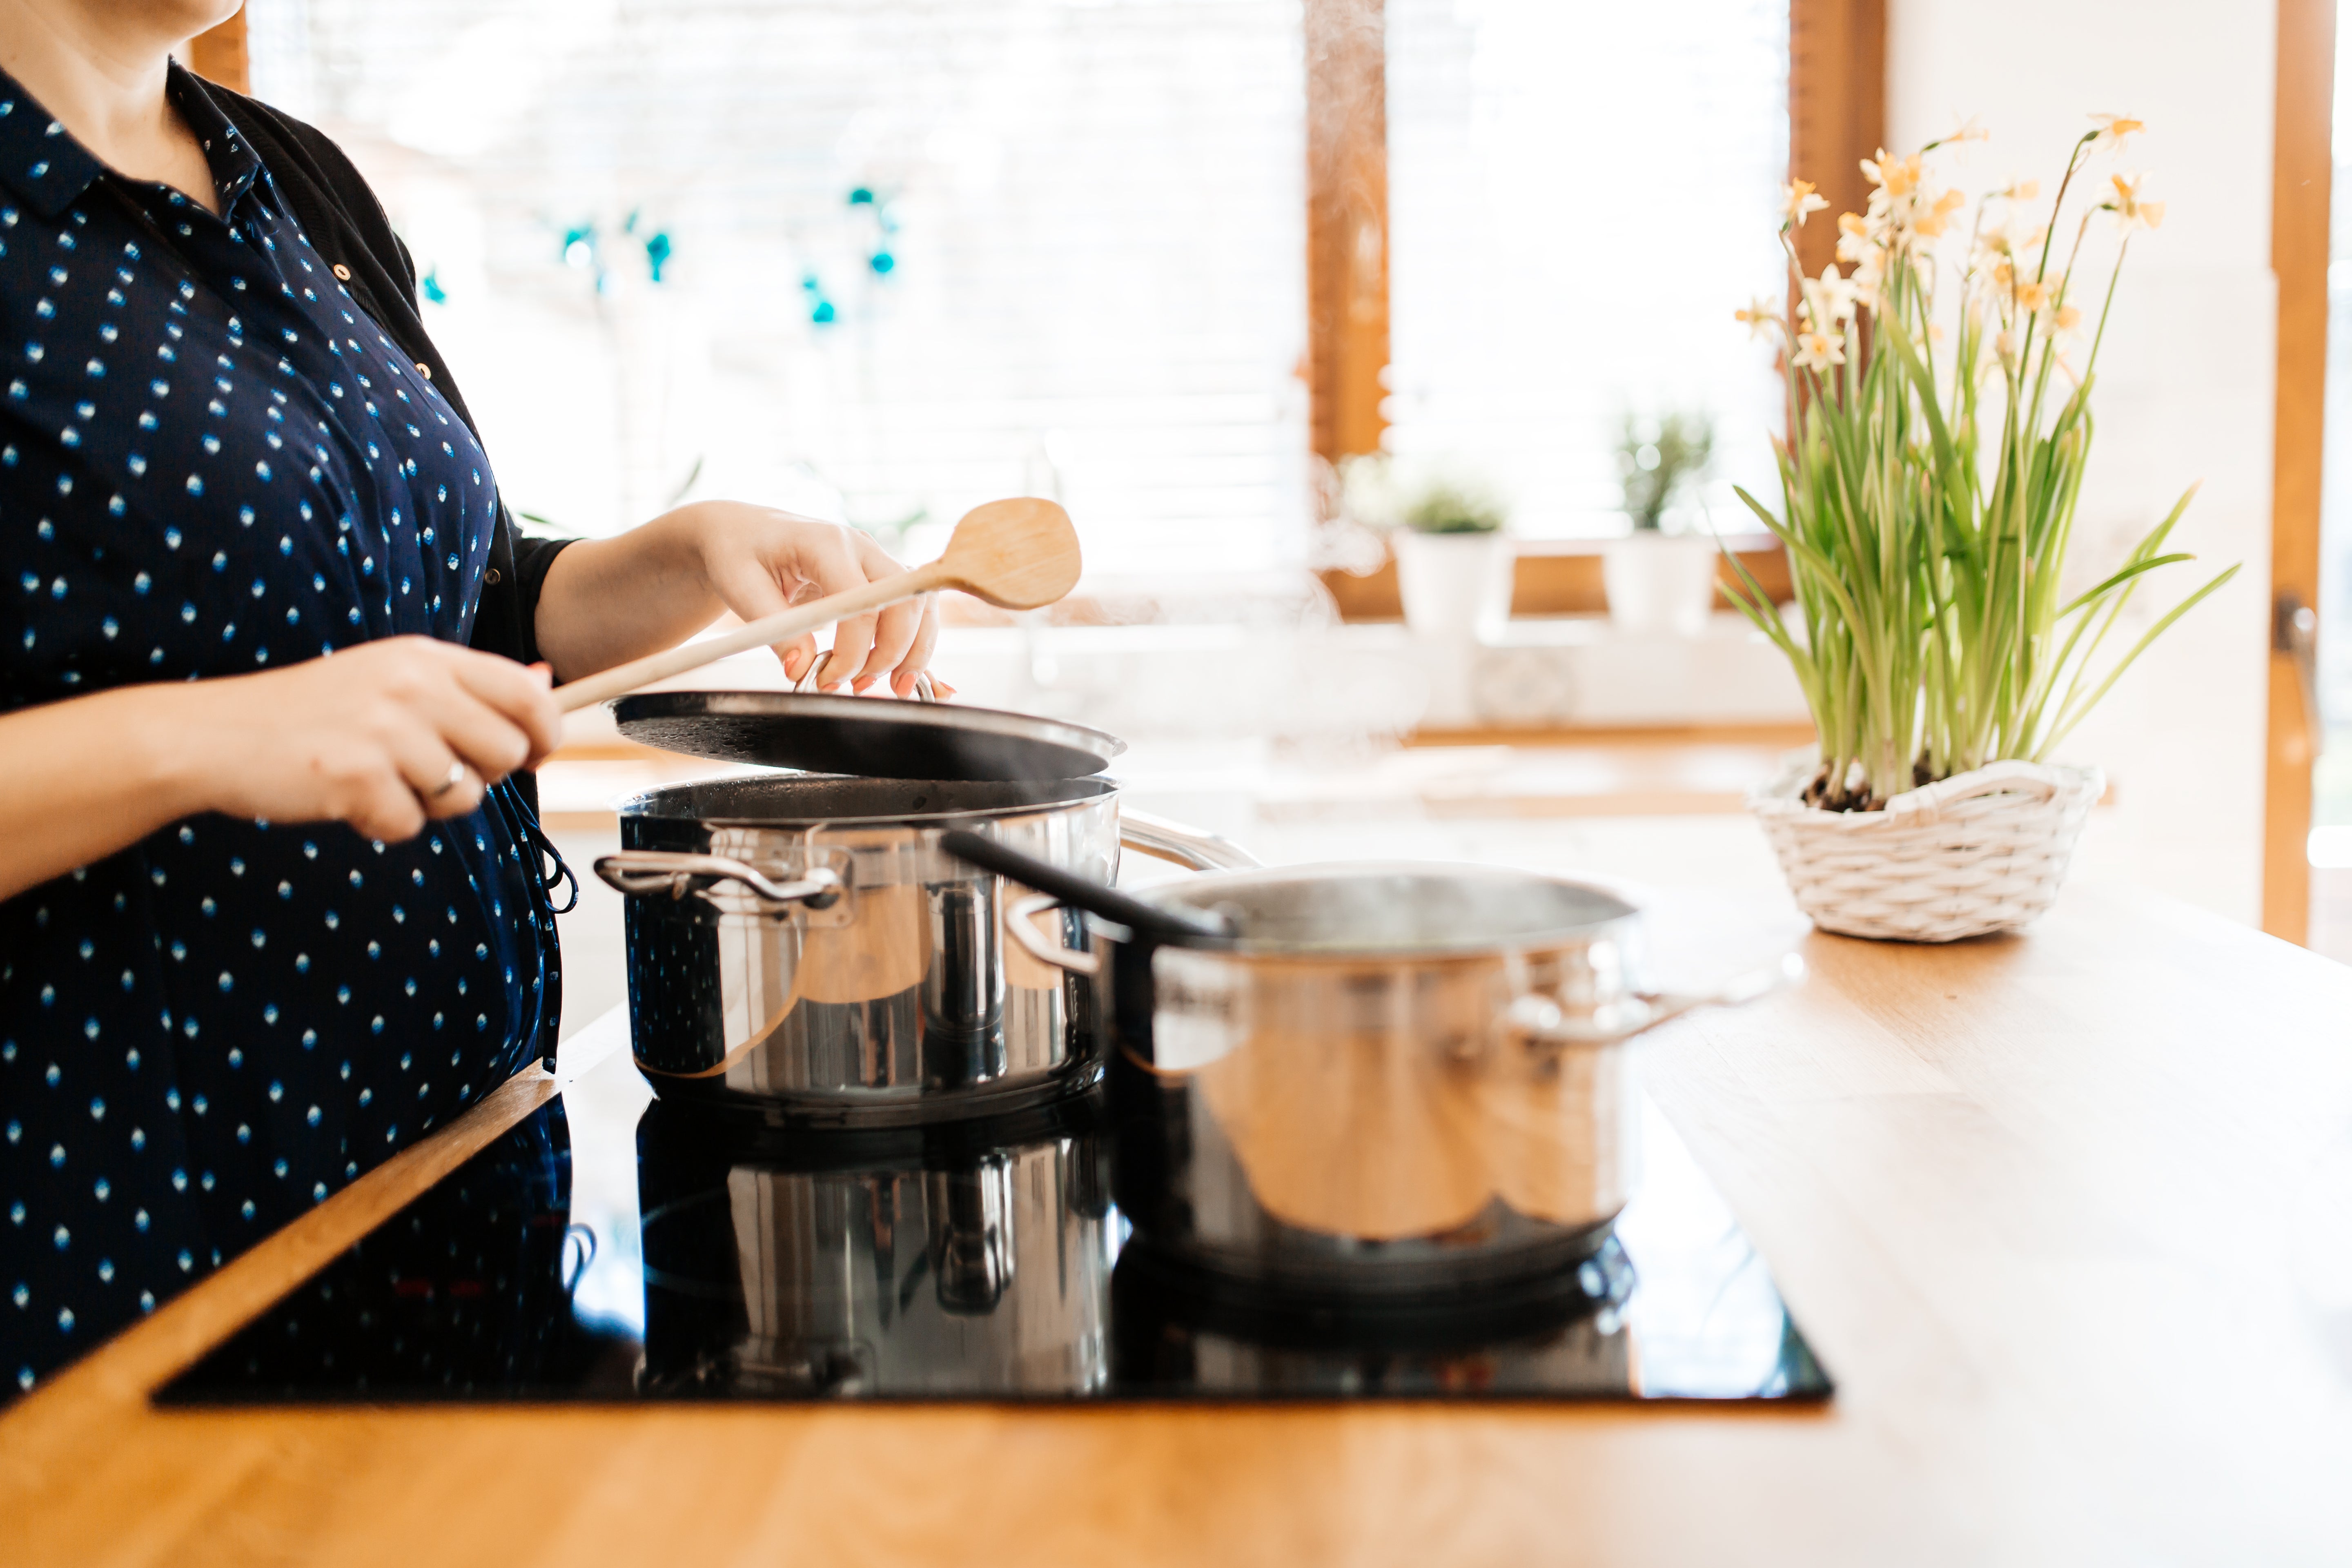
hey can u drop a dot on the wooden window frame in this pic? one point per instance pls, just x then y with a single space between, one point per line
2302 173
220 55
1837 117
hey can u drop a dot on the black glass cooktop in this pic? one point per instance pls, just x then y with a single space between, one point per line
612 1249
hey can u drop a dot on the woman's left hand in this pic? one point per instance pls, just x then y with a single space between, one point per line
605 601
759 561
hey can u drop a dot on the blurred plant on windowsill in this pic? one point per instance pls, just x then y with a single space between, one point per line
1445 530
1657 458
1929 491
1382 492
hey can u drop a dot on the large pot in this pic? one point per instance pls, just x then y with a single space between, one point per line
1401 1077
799 948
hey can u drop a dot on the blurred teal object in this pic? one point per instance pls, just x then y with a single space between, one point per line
861 197
821 309
882 262
430 286
657 252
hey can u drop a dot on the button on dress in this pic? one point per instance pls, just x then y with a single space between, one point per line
213 462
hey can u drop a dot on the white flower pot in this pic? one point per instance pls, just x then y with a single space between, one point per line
1454 584
1979 852
1660 581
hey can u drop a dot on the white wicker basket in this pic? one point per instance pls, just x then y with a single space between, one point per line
1981 851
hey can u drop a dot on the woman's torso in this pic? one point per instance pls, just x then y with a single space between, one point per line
213 462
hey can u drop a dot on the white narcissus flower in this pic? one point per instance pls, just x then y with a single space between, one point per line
1896 176
2130 207
2031 297
1759 318
1798 199
2113 128
1828 299
1869 279
1819 350
1855 241
1970 130
2005 345
2001 243
1934 220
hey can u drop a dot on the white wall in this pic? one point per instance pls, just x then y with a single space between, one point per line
2185 380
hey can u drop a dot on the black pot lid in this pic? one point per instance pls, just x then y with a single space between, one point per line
879 737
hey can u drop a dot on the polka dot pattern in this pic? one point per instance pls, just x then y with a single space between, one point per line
213 461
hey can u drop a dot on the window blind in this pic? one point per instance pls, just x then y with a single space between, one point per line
876 258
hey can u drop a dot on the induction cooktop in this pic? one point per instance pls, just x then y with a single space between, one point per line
613 1249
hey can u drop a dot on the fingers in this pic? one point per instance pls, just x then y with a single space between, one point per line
831 561
763 560
919 653
498 714
441 782
894 630
749 587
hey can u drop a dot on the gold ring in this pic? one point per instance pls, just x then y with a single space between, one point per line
456 777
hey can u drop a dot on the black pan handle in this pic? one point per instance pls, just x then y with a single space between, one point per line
1083 892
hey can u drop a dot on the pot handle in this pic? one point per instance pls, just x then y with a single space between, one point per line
1539 1020
1021 921
638 872
1189 847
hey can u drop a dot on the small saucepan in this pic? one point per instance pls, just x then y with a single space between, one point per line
1408 1077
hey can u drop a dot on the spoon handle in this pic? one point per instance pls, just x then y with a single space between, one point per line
765 632
1083 892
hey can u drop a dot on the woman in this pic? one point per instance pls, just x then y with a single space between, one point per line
271 902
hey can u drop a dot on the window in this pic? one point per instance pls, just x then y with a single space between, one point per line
878 259
1580 195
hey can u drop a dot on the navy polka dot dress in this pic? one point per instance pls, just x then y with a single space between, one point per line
212 462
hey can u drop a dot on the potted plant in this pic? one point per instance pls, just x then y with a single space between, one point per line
1454 560
1929 491
1657 580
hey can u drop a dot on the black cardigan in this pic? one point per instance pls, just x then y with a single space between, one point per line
345 224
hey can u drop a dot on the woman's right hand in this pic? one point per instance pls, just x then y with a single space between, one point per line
373 736
369 736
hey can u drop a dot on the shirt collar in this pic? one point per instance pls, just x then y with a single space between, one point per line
49 170
39 161
234 164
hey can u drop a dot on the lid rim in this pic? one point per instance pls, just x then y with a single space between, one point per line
1200 892
1044 749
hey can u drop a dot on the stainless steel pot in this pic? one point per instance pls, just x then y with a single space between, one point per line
973 1257
1401 1077
799 947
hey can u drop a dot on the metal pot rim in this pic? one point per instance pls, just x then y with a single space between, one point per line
675 803
1201 893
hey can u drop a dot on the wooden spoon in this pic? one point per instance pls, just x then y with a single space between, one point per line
1016 555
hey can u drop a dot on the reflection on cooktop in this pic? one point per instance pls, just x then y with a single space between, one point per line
975 1261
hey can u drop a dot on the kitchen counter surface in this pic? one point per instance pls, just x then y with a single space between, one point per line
2069 1218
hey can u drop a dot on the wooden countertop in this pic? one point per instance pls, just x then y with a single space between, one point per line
2069 1218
